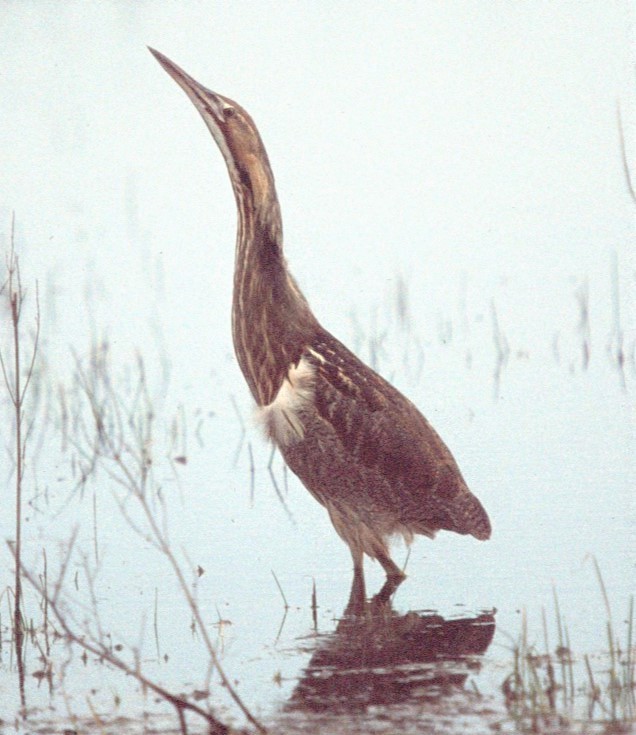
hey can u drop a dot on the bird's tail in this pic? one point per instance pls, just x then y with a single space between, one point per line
474 518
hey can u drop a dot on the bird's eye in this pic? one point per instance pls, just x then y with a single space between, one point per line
228 112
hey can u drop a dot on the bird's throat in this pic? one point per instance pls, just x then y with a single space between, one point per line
271 321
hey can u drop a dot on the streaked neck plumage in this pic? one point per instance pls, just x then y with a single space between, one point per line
271 320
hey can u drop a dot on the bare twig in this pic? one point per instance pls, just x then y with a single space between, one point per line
102 651
17 391
280 589
128 462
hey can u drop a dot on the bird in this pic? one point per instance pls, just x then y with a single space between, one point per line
360 447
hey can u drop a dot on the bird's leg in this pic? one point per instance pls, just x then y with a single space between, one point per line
388 588
394 575
357 596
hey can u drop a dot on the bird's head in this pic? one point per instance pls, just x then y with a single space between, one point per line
235 134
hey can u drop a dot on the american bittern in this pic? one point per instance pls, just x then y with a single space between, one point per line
359 446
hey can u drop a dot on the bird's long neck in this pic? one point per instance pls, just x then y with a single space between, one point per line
271 320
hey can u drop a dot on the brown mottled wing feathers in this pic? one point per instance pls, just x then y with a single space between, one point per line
382 430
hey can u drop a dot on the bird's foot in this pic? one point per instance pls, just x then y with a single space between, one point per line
393 581
394 574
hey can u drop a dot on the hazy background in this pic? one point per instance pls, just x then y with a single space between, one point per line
434 140
469 151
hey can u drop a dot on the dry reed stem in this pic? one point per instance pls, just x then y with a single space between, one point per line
128 463
17 393
99 649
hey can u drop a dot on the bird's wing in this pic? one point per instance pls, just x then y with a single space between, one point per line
384 432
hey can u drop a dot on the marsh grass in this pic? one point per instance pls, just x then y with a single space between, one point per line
110 429
109 425
18 373
118 437
397 341
552 690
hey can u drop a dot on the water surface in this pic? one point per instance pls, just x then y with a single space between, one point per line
482 259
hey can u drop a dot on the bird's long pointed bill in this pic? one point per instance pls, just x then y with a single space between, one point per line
203 98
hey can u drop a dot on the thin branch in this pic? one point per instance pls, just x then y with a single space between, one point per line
36 340
99 650
116 457
7 382
60 579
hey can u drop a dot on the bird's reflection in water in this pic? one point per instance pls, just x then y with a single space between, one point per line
379 658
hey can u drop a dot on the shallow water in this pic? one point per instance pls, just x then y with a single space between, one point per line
435 658
482 259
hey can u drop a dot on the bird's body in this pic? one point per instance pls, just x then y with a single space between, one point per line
359 446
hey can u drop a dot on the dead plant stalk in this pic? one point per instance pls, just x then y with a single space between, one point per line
17 391
128 463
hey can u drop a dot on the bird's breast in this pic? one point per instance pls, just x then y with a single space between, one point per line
282 418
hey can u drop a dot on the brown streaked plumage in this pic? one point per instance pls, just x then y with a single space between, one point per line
360 447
